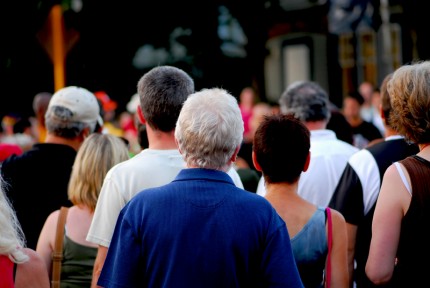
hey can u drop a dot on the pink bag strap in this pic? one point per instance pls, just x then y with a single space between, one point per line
329 242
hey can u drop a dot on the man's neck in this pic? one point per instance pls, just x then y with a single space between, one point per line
390 132
74 143
159 140
316 125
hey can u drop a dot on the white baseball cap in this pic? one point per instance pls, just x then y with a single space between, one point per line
81 102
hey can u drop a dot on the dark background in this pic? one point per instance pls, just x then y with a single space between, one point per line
111 32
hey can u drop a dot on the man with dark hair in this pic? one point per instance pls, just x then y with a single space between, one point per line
162 92
40 104
363 131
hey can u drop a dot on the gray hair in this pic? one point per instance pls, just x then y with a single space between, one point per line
306 100
58 122
209 129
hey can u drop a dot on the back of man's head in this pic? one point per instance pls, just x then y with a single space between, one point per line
72 109
386 100
162 92
209 129
40 103
306 100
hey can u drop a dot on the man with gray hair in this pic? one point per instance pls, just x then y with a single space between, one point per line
200 230
37 180
308 101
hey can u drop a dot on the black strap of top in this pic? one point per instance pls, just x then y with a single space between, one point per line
14 271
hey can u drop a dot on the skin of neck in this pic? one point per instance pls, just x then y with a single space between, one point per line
354 121
316 125
75 143
390 132
287 189
160 140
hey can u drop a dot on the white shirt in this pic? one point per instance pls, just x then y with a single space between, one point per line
329 156
150 168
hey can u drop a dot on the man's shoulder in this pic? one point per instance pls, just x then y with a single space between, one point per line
45 151
152 161
26 158
334 146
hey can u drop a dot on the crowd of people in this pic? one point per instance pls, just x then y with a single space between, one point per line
209 189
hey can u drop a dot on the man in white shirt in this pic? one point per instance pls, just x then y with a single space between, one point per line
309 102
162 92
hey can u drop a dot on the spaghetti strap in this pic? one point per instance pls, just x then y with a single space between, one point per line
403 177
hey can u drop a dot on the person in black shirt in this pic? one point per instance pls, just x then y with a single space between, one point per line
36 181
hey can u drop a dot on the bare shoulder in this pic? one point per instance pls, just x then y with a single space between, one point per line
32 273
53 217
34 257
338 219
34 265
392 172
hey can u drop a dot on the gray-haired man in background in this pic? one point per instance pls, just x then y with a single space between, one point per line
309 102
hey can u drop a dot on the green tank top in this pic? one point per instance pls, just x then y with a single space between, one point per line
77 265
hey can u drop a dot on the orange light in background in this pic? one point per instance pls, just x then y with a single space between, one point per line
58 52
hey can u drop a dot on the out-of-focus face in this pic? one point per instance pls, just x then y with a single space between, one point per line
366 90
351 108
247 97
258 112
376 100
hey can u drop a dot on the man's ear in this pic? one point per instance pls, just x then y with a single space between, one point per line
140 115
85 133
381 113
177 145
308 161
234 156
255 162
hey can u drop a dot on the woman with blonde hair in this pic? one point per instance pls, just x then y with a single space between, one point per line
19 266
95 157
400 238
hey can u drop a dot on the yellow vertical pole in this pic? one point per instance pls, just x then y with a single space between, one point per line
58 51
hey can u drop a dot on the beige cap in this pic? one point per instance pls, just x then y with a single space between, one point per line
81 102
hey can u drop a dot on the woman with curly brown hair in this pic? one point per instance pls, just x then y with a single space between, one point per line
400 224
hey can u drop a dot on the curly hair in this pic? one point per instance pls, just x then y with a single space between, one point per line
410 97
209 129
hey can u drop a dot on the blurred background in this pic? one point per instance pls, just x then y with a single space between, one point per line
108 45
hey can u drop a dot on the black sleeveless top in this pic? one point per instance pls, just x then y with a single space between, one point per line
413 252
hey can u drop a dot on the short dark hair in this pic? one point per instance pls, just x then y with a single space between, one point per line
386 100
356 96
281 146
162 91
